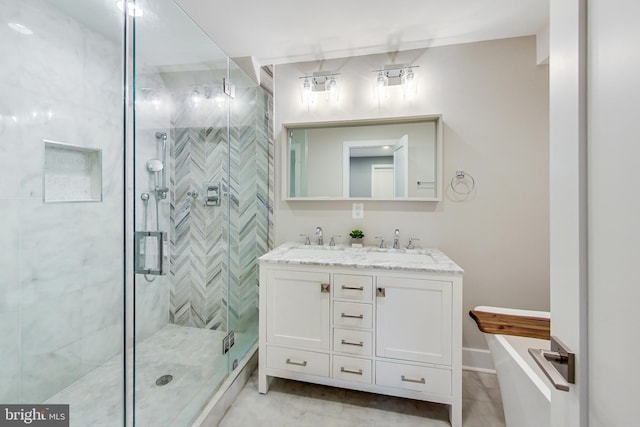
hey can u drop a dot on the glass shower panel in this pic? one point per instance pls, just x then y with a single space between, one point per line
249 201
181 182
62 204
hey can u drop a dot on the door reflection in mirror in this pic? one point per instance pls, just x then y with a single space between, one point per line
375 168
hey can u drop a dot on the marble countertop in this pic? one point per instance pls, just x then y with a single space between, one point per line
421 260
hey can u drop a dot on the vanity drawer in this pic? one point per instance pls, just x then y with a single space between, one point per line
352 286
352 369
416 378
305 362
352 314
352 342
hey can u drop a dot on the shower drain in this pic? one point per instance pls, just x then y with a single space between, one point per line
164 380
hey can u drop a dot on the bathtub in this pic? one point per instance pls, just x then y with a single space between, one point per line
525 389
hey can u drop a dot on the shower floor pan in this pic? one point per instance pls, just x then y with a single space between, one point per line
192 356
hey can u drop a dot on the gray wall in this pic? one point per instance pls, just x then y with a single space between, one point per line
494 103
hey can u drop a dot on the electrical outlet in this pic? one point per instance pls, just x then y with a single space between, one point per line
357 211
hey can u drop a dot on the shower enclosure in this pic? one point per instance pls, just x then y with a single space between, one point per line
134 196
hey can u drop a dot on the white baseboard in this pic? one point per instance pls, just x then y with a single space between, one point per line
477 359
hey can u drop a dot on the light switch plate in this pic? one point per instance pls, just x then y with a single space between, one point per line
357 211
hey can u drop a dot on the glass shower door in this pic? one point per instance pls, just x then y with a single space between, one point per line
201 215
181 199
62 208
248 207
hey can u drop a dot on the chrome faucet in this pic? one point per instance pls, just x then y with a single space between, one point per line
396 239
319 234
411 240
307 242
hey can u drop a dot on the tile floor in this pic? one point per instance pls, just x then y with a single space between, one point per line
292 403
192 355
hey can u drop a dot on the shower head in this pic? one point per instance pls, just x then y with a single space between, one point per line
154 165
161 135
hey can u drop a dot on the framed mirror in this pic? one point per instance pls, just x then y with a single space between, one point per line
381 159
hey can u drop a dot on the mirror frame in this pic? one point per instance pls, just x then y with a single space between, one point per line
284 146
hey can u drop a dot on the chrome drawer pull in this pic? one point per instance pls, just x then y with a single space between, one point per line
409 380
289 362
360 344
352 316
353 288
347 371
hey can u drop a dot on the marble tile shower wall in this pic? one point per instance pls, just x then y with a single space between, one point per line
249 203
61 264
198 241
199 263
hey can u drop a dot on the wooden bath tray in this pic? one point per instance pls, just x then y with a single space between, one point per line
510 324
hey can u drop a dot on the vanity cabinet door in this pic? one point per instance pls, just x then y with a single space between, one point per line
413 320
298 308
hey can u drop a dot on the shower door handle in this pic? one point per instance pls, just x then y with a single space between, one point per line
558 364
142 258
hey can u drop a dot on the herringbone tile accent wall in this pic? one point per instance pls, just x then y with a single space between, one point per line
200 264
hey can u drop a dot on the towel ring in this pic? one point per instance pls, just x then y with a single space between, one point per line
458 179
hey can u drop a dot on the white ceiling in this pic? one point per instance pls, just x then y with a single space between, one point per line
284 31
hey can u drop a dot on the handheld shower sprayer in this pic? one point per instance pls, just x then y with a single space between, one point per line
155 166
145 201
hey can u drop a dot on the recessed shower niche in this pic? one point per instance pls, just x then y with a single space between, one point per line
71 173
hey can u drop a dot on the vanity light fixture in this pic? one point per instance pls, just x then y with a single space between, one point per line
323 81
396 75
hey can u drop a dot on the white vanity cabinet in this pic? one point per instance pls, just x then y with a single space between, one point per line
370 327
298 309
414 319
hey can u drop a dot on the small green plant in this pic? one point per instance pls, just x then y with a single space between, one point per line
356 234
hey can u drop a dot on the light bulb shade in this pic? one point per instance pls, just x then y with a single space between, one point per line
331 85
306 92
332 89
410 76
410 85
